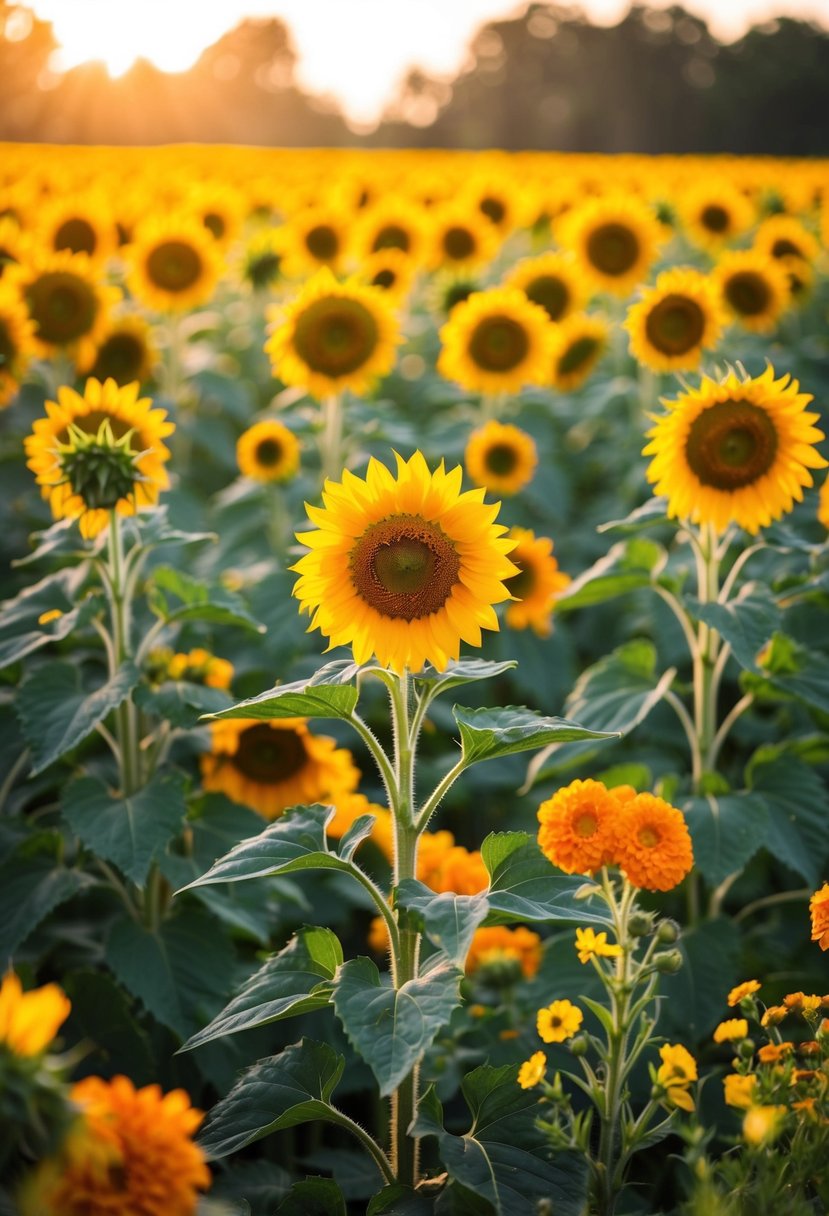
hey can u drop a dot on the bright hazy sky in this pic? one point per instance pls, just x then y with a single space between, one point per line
356 50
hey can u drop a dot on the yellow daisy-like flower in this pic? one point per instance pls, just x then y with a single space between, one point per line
653 846
714 212
538 584
578 827
741 991
739 1089
313 238
531 1072
558 1022
762 1124
173 263
738 451
132 1154
30 1020
501 457
675 320
731 1029
130 424
125 352
17 342
67 302
268 451
390 270
754 288
14 244
334 336
577 345
552 281
496 341
783 237
819 912
497 946
675 1074
198 666
395 223
272 765
615 240
405 567
460 237
590 944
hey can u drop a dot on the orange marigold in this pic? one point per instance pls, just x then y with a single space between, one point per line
747 988
653 844
461 871
498 944
577 827
819 909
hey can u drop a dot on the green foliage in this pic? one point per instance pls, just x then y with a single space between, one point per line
313 1197
628 565
196 601
22 634
524 886
33 882
727 830
328 694
490 733
746 624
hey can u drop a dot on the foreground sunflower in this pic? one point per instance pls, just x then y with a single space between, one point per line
538 585
496 341
615 240
268 451
754 287
675 320
173 264
736 451
501 457
405 567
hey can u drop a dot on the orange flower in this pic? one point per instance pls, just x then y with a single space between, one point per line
734 1028
676 1073
770 1053
819 909
462 871
30 1020
577 827
654 847
774 1015
497 944
747 988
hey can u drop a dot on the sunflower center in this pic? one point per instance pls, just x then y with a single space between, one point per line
76 234
501 458
731 444
586 824
215 224
121 356
783 248
551 292
269 453
748 293
268 755
405 567
384 278
62 306
493 209
322 242
613 249
521 584
8 350
577 355
174 265
458 243
648 837
714 217
392 236
499 344
335 336
675 325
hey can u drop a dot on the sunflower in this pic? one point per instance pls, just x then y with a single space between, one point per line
496 947
82 225
653 844
754 288
495 198
501 457
449 288
67 302
124 353
615 240
496 341
577 345
577 831
14 244
219 208
270 766
260 263
460 238
334 336
392 224
782 237
403 568
30 1020
17 342
551 280
538 584
315 237
268 451
713 212
173 263
133 434
737 451
391 270
675 320
348 807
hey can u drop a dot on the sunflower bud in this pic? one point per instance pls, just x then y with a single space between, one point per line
640 924
668 962
667 932
99 468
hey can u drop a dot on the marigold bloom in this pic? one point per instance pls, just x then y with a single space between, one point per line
531 1072
496 944
653 844
774 1015
30 1020
559 1021
739 1089
462 871
747 988
819 910
577 830
590 944
728 1031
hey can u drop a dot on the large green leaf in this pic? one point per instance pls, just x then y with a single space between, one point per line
747 624
296 980
798 807
525 886
399 1200
180 702
726 830
278 1092
489 733
505 1157
33 882
330 693
153 529
800 672
465 671
177 597
129 831
694 998
103 1015
20 630
313 1197
56 714
392 1028
449 920
654 511
629 564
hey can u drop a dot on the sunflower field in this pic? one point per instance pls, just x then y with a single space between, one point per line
415 684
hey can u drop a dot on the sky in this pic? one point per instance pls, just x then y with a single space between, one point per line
355 50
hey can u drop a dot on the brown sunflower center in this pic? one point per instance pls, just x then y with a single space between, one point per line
748 293
121 357
62 306
613 248
715 218
501 459
174 265
521 584
215 224
675 325
648 836
392 236
458 243
405 567
268 755
322 242
269 453
551 292
731 444
499 343
784 248
335 336
76 234
493 208
8 349
586 824
385 278
578 354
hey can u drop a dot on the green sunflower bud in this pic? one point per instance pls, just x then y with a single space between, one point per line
99 468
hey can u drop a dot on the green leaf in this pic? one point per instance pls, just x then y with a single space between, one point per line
694 998
488 733
746 624
313 1197
449 920
466 671
129 831
152 529
296 980
802 673
181 703
102 1015
726 831
654 511
398 1200
525 886
277 1092
33 882
56 714
505 1157
20 631
328 694
798 808
262 1183
629 564
391 1029
198 602
62 539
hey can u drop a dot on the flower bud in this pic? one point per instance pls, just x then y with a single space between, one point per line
668 962
579 1046
640 924
667 932
745 1049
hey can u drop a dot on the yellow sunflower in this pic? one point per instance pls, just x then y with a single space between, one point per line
391 270
270 766
675 320
17 342
124 451
219 208
754 288
268 451
538 584
126 352
501 457
68 304
392 224
460 237
403 568
334 336
314 237
551 280
615 240
714 211
82 224
783 237
738 451
496 341
578 344
495 197
260 262
13 244
172 264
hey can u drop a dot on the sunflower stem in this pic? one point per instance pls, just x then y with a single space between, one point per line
126 727
331 440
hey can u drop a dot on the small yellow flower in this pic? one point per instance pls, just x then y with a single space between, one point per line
30 1020
739 1089
747 988
559 1021
728 1031
590 944
762 1123
774 1015
532 1071
675 1074
819 909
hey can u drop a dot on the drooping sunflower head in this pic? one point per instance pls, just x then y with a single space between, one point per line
537 585
735 451
403 567
577 345
553 281
501 457
334 336
173 263
714 212
615 240
268 451
68 303
125 352
460 237
675 320
99 452
17 342
496 341
754 288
